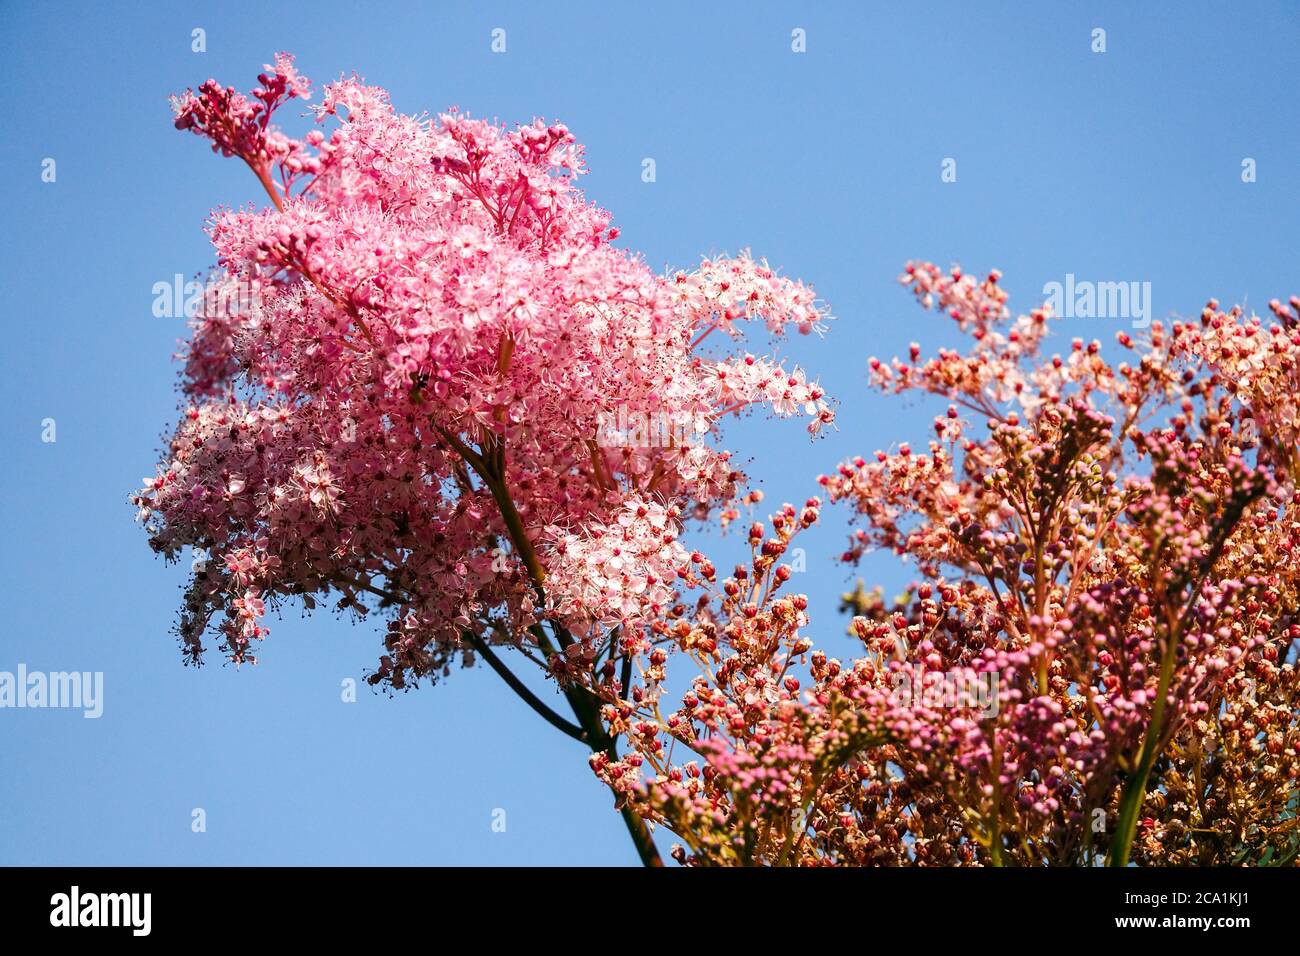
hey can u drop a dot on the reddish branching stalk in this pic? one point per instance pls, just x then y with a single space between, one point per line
1097 661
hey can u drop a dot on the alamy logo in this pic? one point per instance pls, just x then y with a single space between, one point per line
644 430
103 909
231 297
1083 299
963 689
74 690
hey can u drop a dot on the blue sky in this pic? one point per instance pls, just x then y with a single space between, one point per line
1117 166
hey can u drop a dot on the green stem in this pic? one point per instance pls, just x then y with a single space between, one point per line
585 708
1135 790
521 690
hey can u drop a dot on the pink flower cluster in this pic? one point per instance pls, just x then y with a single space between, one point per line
618 573
239 126
415 401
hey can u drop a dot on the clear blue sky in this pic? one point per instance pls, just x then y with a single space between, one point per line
1117 166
